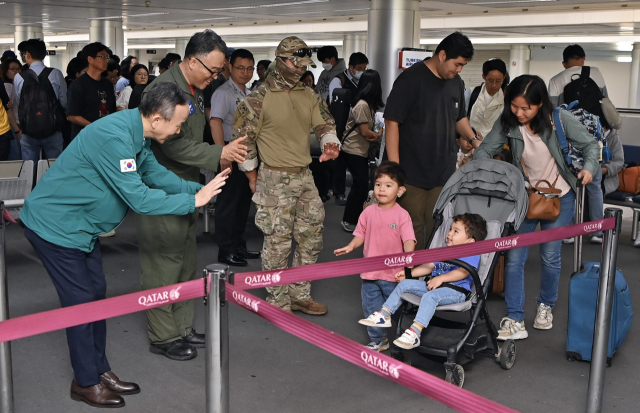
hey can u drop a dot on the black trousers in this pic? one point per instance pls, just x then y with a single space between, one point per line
232 212
359 168
79 278
339 177
5 145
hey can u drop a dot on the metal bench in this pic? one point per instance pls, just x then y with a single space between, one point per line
16 180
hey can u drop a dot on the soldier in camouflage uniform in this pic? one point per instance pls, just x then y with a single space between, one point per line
276 118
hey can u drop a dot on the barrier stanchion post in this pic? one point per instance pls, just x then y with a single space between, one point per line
217 341
6 381
602 325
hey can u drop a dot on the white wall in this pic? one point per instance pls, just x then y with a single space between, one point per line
616 76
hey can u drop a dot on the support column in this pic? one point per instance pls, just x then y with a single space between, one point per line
353 43
71 51
181 45
393 24
109 33
271 53
634 93
520 57
23 33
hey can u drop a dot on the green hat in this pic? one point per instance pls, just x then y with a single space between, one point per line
296 50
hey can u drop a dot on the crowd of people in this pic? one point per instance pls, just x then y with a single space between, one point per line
126 139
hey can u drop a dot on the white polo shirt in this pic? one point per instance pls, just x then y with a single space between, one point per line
224 102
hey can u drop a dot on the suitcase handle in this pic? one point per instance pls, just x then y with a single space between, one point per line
577 246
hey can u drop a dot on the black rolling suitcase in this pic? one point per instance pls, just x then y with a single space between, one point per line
583 298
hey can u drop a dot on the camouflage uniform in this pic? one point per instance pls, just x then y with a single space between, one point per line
276 124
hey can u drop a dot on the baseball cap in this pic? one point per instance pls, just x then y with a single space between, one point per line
296 50
8 54
230 51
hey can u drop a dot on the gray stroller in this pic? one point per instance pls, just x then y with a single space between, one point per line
496 191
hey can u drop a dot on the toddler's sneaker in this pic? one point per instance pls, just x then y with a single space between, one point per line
568 240
511 329
596 239
544 318
381 346
408 340
376 320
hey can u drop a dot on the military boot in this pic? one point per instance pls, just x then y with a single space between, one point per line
308 306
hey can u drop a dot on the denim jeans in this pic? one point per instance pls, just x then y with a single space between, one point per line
430 299
51 145
549 255
374 294
596 199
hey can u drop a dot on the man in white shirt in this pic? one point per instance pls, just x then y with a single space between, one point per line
232 209
573 60
33 52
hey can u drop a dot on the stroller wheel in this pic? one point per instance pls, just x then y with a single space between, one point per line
456 376
508 354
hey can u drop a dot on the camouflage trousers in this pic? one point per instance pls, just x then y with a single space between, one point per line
289 207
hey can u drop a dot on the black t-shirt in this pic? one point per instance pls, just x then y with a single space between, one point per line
427 109
91 99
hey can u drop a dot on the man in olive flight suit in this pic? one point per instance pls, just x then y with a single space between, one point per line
276 119
168 243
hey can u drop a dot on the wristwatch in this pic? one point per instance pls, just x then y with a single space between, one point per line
475 138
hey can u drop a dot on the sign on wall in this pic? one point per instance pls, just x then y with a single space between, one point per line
408 56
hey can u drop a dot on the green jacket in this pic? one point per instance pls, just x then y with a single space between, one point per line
91 186
576 133
185 153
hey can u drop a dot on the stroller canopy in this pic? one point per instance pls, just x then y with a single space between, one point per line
492 188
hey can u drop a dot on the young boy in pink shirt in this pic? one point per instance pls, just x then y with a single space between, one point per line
384 228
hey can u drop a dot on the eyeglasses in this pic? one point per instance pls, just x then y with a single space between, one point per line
302 53
244 69
494 81
101 56
213 74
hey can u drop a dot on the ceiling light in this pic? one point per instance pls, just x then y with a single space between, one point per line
511 1
625 59
627 28
317 12
292 3
127 15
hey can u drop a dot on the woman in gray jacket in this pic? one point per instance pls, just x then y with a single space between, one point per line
526 126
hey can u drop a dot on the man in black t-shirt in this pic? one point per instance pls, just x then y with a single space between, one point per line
91 96
424 113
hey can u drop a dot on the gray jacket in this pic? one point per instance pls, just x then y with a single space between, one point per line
576 133
615 164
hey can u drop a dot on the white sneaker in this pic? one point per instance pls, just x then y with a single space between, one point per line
376 320
511 329
596 239
636 243
544 318
568 240
408 340
108 234
381 346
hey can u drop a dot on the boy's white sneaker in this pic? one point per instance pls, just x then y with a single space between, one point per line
376 320
511 329
544 317
568 240
408 340
381 346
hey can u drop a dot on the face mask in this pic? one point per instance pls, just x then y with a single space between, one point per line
358 75
285 76
327 66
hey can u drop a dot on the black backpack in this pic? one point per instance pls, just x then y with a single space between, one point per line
339 108
586 91
40 113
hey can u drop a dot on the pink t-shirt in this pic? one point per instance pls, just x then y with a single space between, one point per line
384 232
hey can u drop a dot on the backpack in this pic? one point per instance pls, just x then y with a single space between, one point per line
339 108
572 155
586 92
40 113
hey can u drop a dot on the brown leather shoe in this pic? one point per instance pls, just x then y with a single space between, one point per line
96 396
117 386
308 306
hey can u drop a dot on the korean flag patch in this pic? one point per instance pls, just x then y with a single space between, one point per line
127 165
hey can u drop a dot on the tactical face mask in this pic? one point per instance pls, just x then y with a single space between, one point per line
286 76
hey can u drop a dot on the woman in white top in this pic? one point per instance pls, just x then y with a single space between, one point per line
490 102
526 125
139 75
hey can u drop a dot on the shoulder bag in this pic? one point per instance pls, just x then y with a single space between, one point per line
544 202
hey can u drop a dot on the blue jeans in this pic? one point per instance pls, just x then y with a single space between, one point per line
430 299
374 294
550 256
596 199
51 145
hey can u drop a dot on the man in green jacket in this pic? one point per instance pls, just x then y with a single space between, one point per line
106 170
168 243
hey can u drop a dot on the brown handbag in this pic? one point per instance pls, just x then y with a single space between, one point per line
629 179
498 277
544 202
